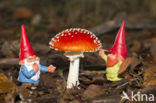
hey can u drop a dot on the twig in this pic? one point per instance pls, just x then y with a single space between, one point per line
9 61
120 86
115 24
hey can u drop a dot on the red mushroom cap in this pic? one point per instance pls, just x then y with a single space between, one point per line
75 40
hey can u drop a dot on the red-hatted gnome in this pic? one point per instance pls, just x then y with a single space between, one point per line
30 66
116 61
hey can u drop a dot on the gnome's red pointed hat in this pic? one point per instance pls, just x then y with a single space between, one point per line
26 49
119 46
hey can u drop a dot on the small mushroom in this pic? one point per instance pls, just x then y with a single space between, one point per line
74 42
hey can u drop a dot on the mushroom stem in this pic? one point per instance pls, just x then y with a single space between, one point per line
73 69
73 73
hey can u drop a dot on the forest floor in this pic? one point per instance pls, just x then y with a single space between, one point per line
93 88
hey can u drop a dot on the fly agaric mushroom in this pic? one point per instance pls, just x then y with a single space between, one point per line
74 42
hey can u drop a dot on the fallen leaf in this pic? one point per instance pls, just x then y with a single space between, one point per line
5 84
150 82
23 13
150 72
93 91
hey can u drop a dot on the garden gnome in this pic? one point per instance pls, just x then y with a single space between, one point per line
116 61
30 66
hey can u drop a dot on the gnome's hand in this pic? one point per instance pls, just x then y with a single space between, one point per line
51 68
102 52
35 67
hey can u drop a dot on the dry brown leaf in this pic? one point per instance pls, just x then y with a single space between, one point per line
93 91
23 13
5 84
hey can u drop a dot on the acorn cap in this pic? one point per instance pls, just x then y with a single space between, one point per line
119 46
25 49
75 40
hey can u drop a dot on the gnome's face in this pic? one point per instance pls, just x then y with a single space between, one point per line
113 59
30 60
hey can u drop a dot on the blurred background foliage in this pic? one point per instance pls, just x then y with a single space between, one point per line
85 13
45 18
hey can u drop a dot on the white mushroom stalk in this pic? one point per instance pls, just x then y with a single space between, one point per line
74 42
74 58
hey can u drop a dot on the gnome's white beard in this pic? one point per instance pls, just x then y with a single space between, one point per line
29 67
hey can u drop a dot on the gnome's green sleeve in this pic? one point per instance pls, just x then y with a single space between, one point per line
112 72
104 57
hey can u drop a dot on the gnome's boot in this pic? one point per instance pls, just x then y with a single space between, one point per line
26 85
36 85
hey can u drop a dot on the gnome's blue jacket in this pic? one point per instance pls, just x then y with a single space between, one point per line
25 75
